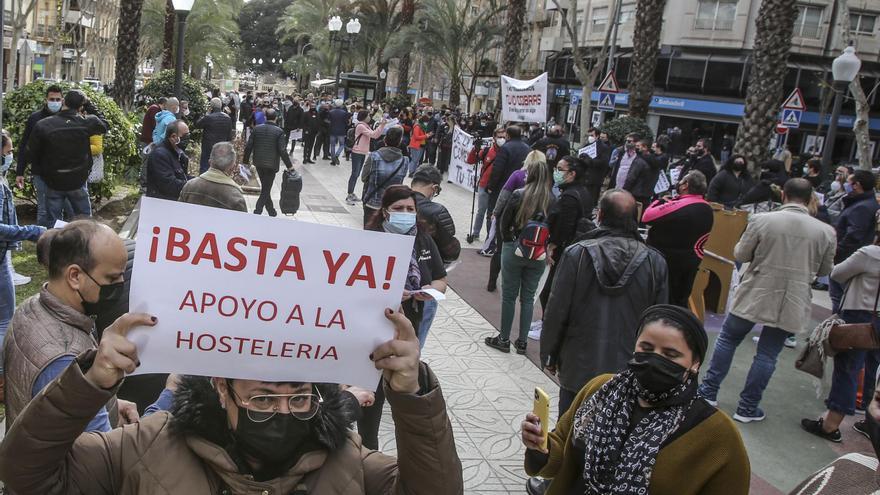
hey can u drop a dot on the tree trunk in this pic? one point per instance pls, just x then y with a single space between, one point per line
455 90
516 19
168 39
407 13
646 47
127 43
860 127
12 63
774 26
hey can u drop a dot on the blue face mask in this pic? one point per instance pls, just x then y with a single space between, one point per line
848 187
7 162
54 106
401 222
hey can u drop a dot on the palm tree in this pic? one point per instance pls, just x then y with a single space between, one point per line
168 36
516 22
646 47
773 30
407 13
381 19
450 35
127 42
305 21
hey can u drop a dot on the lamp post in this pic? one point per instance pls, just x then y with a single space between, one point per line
352 28
382 75
844 69
181 8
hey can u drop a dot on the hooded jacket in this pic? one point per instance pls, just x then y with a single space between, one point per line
163 118
190 449
602 285
383 168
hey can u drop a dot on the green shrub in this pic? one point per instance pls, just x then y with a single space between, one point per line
193 91
400 101
120 142
618 128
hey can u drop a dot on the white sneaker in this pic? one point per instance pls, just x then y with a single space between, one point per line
535 330
791 342
756 338
19 279
350 200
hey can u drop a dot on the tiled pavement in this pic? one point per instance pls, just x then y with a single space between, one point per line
489 392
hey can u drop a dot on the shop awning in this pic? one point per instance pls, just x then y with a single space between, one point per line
322 82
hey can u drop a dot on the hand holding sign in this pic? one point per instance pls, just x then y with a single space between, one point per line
116 354
399 358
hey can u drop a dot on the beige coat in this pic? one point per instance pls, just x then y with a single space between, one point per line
785 249
860 273
214 188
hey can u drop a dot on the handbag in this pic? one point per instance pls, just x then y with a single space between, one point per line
855 336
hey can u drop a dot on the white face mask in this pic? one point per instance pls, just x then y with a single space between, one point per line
7 162
500 141
591 140
835 187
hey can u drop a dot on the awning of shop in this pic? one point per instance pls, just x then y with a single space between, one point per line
322 82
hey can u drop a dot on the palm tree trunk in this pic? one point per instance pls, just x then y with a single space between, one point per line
407 13
516 19
646 46
168 39
774 26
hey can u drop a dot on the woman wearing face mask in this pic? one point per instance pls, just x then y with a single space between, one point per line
398 215
731 183
520 274
813 172
362 136
10 236
487 155
644 430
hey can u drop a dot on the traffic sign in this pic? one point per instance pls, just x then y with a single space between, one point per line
795 101
606 101
791 118
609 84
781 129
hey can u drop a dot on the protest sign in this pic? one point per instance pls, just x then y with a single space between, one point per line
252 297
524 101
588 150
461 172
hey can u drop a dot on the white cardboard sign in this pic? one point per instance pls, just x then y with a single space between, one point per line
252 297
462 173
524 101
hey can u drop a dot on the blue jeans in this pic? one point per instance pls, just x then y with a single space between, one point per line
337 144
7 300
357 163
415 156
40 187
847 366
518 276
480 215
835 292
79 202
429 310
733 331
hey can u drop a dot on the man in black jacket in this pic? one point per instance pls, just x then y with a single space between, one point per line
247 108
553 145
269 148
217 127
293 118
702 161
509 159
322 141
598 167
167 164
54 101
602 285
310 126
60 155
632 173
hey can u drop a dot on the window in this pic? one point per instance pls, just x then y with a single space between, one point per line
809 19
717 15
862 22
599 20
627 13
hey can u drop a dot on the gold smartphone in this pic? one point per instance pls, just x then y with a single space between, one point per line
541 409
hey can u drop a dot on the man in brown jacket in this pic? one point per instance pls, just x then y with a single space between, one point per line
231 436
215 188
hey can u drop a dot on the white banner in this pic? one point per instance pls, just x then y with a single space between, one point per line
524 101
254 297
461 172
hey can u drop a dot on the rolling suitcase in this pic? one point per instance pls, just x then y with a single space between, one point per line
291 187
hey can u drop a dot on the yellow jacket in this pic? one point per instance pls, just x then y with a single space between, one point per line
96 144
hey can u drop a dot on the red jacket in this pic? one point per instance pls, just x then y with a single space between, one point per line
488 159
417 140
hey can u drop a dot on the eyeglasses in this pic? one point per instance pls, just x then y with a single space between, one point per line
262 408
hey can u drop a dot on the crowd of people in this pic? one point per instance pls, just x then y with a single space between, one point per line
617 249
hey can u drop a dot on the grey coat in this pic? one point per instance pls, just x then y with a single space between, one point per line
602 285
861 275
785 250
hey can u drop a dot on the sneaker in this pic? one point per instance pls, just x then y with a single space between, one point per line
819 286
713 403
535 330
520 346
862 427
497 343
350 200
814 426
486 252
19 279
749 416
791 342
355 198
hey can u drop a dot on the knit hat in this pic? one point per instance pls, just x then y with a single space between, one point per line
695 333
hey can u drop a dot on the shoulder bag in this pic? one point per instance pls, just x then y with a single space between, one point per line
856 336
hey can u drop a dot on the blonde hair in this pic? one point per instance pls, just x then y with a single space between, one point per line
536 193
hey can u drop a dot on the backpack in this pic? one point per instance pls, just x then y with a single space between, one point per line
551 153
531 243
349 138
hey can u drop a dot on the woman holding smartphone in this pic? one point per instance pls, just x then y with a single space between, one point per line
644 430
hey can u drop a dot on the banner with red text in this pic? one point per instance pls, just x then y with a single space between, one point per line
524 101
244 296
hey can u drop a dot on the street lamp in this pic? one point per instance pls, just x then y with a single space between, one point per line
181 8
844 69
352 28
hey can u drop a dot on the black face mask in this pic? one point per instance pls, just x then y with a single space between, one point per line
108 296
656 373
738 167
275 441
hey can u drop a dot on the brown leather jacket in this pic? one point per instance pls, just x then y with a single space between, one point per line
46 453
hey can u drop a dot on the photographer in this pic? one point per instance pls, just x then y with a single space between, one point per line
487 156
60 152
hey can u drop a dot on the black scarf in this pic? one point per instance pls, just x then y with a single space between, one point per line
619 461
